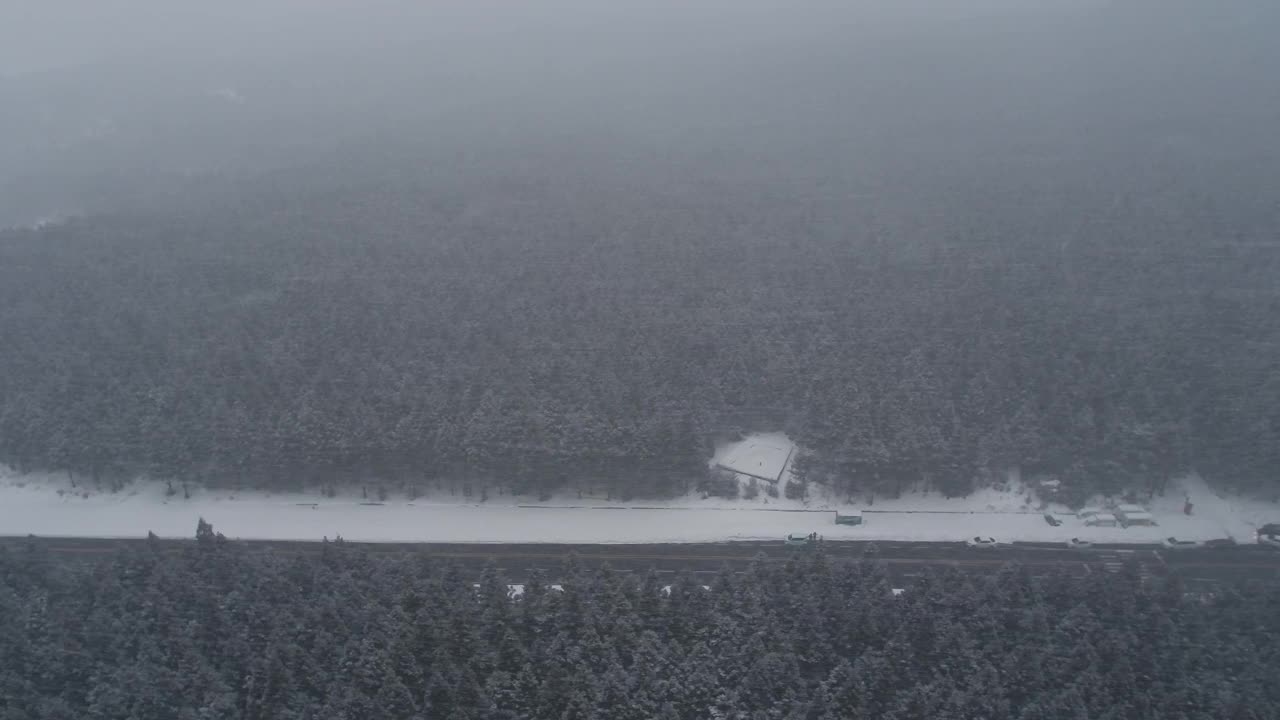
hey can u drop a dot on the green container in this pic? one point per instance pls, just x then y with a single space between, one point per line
850 519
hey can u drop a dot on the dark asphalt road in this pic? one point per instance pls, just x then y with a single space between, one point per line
1200 568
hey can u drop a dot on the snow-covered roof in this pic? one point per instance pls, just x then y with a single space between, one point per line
1086 511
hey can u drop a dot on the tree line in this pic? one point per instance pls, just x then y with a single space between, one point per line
469 322
215 630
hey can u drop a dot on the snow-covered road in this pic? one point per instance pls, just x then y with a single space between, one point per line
37 507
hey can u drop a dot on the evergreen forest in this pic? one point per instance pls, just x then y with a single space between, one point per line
432 320
213 629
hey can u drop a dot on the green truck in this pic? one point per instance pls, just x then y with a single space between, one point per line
853 517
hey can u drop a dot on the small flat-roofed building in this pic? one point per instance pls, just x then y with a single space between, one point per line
1101 519
1142 519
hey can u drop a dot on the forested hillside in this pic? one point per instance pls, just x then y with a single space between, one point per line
582 242
217 631
489 320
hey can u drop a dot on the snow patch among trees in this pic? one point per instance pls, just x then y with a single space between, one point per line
762 455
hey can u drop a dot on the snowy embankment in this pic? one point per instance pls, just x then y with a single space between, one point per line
49 506
28 507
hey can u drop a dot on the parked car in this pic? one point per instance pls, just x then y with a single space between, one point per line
1269 534
1174 543
1078 544
981 542
1049 518
802 539
1220 543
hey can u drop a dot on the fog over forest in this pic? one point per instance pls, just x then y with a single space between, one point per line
290 241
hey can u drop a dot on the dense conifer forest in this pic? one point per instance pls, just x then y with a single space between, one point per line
215 630
495 248
569 243
529 320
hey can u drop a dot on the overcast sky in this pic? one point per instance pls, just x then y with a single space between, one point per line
36 34
922 85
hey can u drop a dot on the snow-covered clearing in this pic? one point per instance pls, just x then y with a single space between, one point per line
763 455
51 506
47 506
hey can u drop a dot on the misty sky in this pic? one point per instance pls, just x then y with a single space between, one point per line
62 33
912 87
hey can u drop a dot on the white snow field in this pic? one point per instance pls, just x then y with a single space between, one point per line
763 455
47 506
